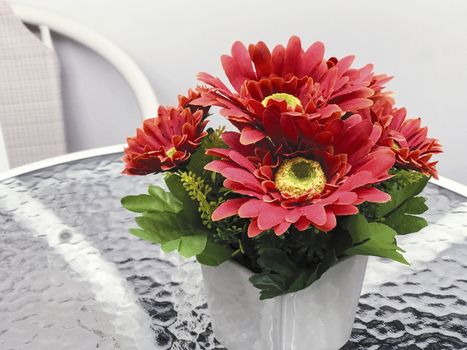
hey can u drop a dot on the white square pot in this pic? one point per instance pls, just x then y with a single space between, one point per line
319 317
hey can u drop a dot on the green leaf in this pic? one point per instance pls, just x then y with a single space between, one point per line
199 159
169 219
190 207
141 203
328 261
214 254
279 272
309 276
280 276
301 282
170 246
167 200
407 224
398 212
372 239
187 246
270 285
143 234
402 222
158 200
277 261
341 241
414 205
176 187
162 226
166 226
404 185
192 245
172 233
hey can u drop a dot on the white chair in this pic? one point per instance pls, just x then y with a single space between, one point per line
4 163
47 22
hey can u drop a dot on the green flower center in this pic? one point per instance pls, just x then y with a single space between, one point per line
291 100
171 152
298 176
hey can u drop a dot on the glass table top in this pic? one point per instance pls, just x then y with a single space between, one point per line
72 277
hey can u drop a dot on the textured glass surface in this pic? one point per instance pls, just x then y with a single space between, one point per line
72 277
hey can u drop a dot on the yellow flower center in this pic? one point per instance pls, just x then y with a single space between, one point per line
291 100
395 146
171 152
298 176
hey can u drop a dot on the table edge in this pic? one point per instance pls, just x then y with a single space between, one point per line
443 182
65 158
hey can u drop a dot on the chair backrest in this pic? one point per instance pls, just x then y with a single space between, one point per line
46 22
135 78
30 99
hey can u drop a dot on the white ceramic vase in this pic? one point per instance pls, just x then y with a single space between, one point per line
319 317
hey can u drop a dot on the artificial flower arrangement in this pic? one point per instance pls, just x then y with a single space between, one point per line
322 166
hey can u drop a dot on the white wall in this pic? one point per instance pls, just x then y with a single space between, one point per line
422 43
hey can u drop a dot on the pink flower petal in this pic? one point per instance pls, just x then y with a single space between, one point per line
354 136
232 71
277 58
271 216
345 198
327 111
242 176
315 213
204 101
312 57
293 215
217 165
343 209
359 179
249 136
261 57
228 208
241 56
302 224
293 57
372 194
250 209
218 152
232 139
378 162
242 160
355 104
210 80
253 229
281 228
240 189
330 222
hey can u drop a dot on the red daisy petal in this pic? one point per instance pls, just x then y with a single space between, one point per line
228 208
249 136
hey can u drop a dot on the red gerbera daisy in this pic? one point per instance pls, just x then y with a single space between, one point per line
288 87
164 142
381 96
187 101
406 137
309 188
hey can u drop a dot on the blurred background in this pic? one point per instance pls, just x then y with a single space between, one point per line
422 43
